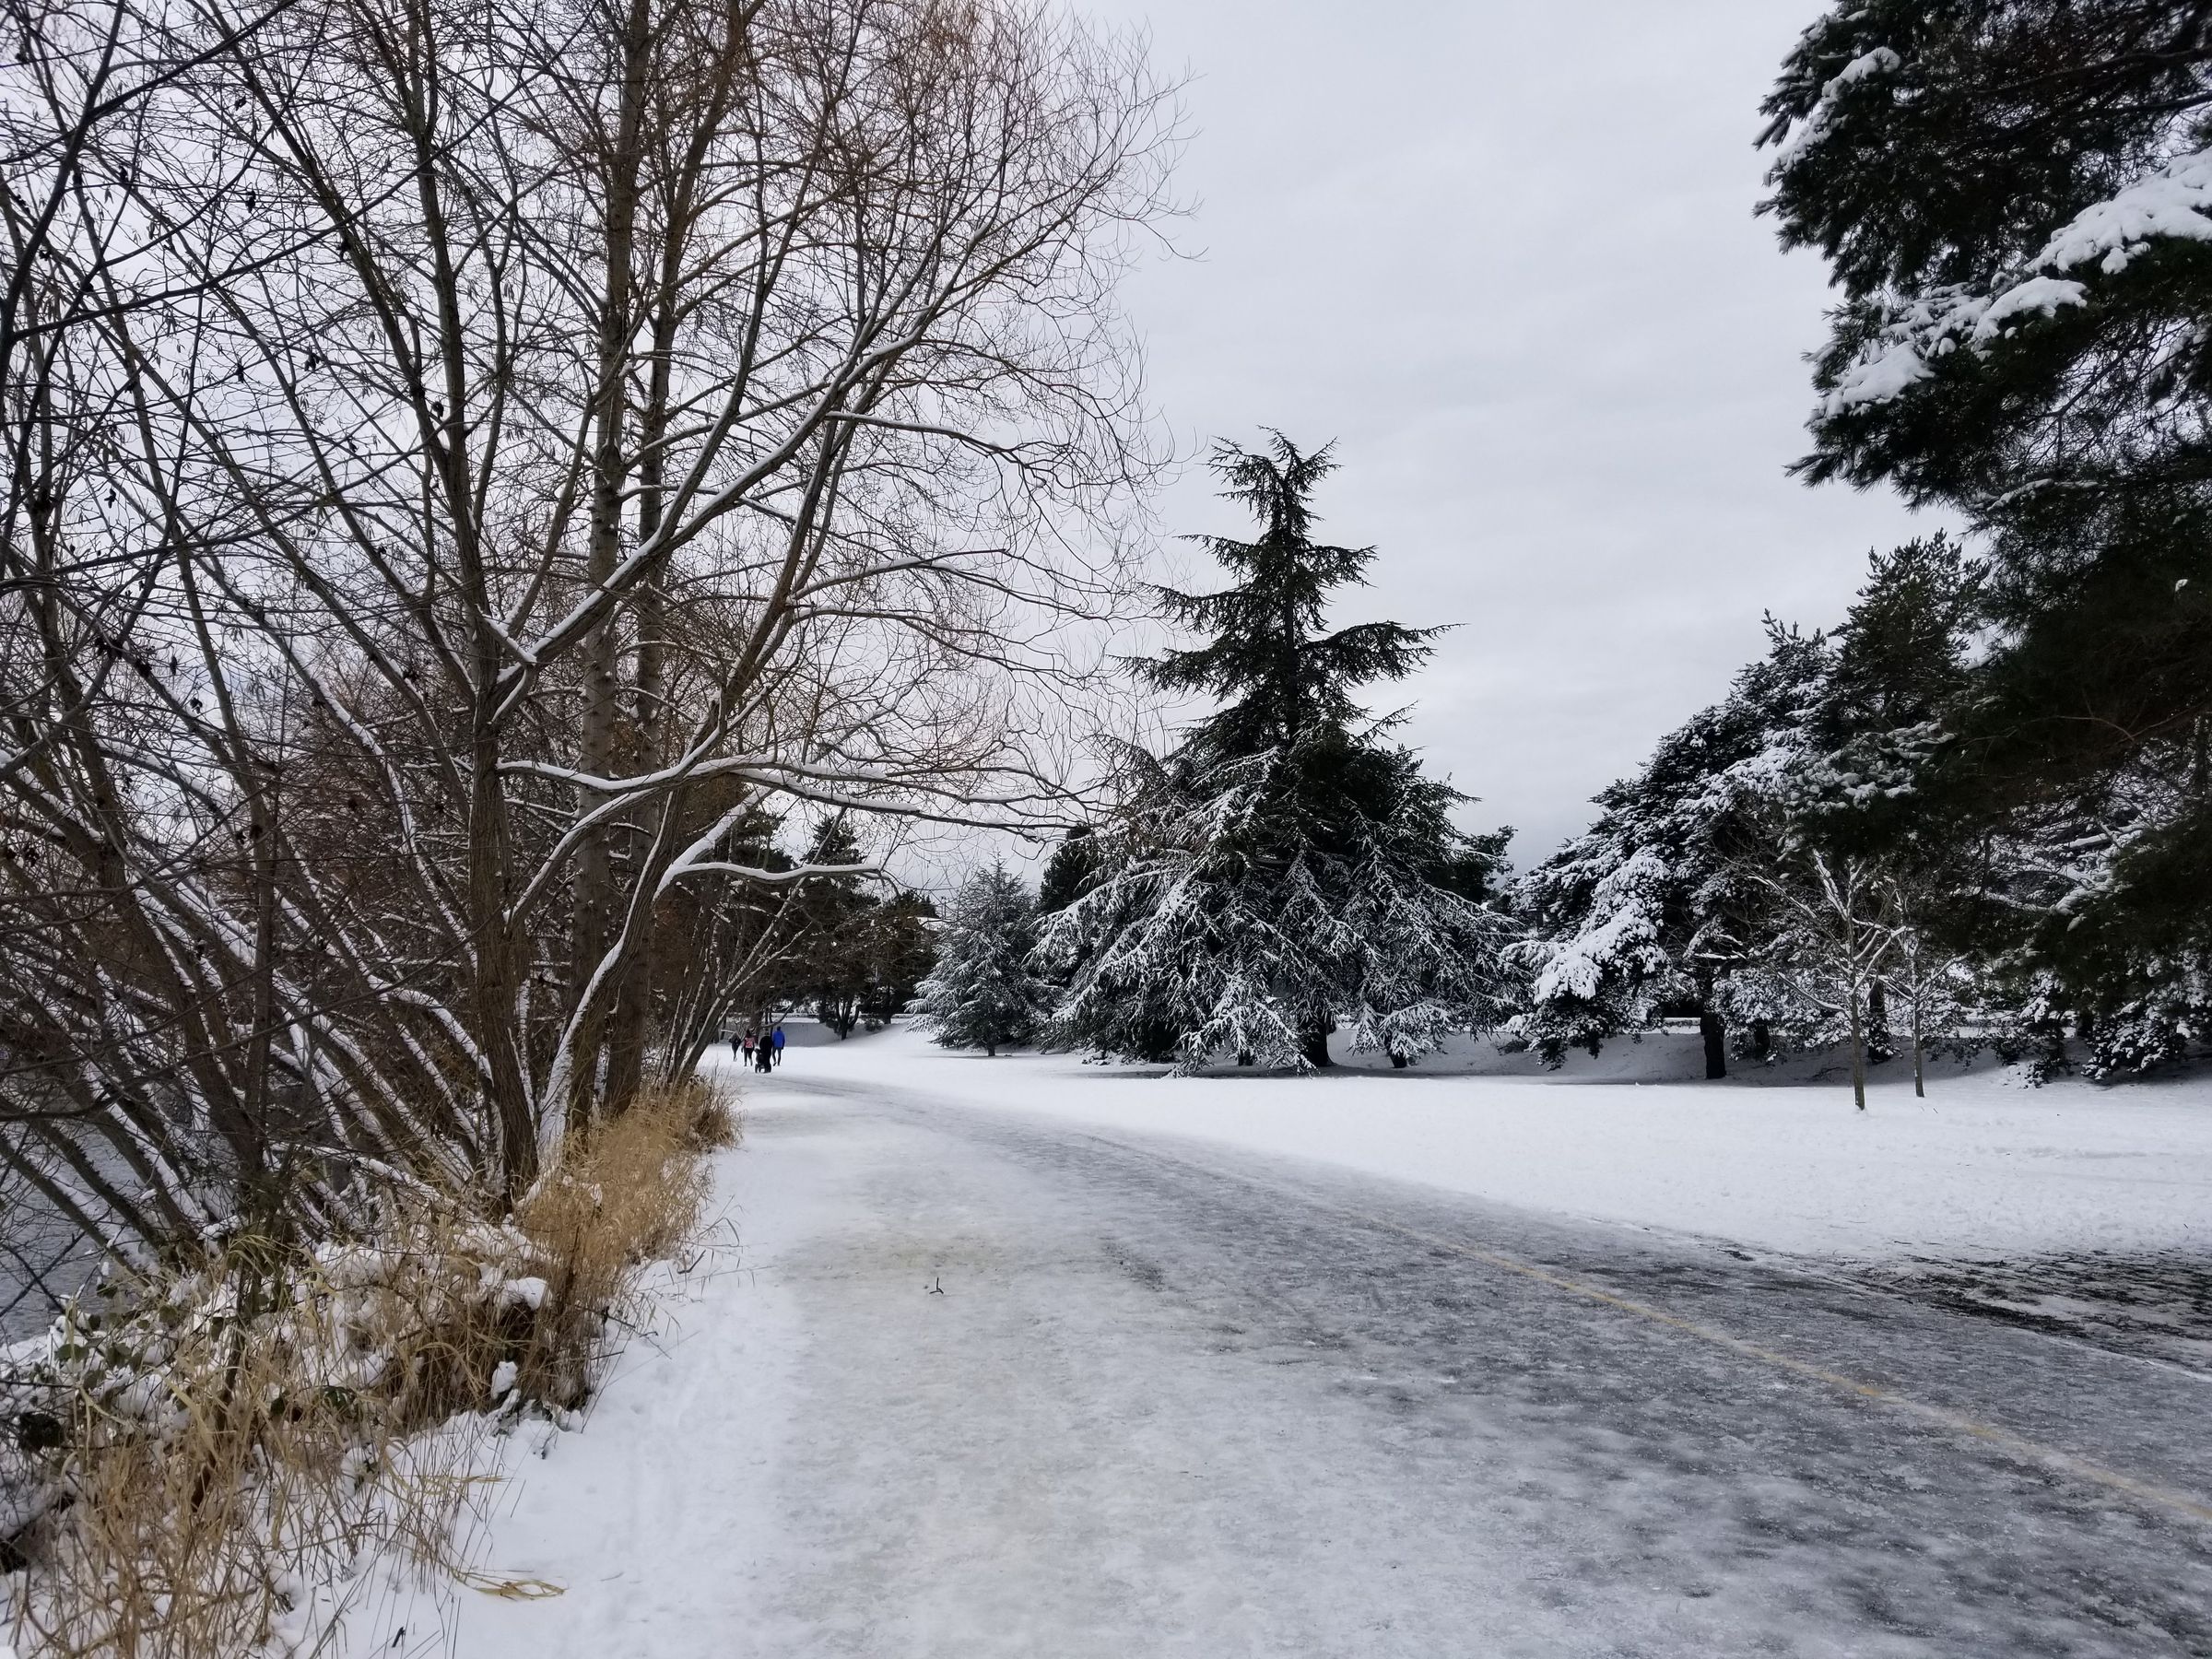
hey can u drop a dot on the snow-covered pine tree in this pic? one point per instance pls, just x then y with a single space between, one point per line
2093 939
1886 786
1068 871
2015 199
1649 909
1286 865
983 993
1889 701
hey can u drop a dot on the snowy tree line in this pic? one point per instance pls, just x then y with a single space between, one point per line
1809 864
1987 793
1781 868
1973 813
480 481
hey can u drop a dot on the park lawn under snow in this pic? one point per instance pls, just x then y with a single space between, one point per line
1986 1166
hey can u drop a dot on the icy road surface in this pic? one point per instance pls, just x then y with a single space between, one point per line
989 1383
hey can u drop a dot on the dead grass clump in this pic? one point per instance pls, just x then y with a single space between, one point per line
212 1451
208 1463
712 1124
627 1191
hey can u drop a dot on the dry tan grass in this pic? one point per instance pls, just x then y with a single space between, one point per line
627 1192
209 1449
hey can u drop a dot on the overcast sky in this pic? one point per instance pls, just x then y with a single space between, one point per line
1504 254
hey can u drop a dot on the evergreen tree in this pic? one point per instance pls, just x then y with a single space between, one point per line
2096 935
833 967
1286 865
1649 911
1879 728
2013 195
983 993
1068 873
1883 788
902 949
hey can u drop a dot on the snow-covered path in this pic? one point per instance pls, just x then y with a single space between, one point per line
1182 1398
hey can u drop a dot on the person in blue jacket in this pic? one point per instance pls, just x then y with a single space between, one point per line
775 1046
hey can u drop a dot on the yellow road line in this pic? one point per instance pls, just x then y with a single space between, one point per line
2051 1457
2017 1445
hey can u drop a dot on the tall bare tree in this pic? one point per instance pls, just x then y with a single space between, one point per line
1827 932
468 462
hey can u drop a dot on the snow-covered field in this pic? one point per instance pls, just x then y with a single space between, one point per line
1986 1167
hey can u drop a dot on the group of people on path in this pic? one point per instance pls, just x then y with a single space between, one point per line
759 1053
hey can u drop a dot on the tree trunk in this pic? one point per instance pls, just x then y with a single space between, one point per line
1313 1045
497 979
1920 1079
595 891
626 1039
1716 1044
630 1018
1858 1052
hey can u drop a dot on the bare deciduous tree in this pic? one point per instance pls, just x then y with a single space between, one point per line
1828 934
468 462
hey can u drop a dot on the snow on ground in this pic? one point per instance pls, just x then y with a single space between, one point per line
1985 1167
648 1519
1003 1369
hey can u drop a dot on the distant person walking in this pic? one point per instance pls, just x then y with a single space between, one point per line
750 1041
763 1054
775 1042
